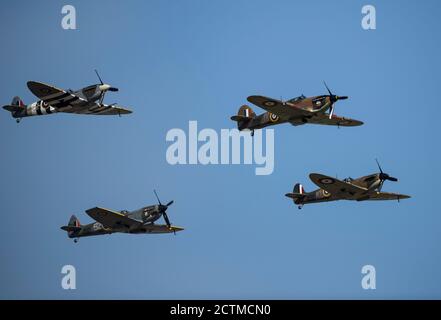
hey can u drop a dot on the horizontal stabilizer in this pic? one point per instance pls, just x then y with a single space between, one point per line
295 195
12 108
70 228
239 118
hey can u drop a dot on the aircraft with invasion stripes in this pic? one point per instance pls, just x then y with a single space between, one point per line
88 100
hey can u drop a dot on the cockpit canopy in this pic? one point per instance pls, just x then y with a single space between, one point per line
297 99
90 91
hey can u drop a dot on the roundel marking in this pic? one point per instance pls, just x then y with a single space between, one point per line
327 181
269 103
273 117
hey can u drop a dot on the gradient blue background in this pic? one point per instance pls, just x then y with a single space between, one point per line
176 61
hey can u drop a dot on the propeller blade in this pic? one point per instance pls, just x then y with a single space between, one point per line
330 93
169 204
381 185
331 112
167 221
159 201
332 96
378 164
113 89
99 76
384 176
102 98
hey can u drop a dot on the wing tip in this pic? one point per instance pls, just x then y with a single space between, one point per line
312 175
92 210
350 123
253 98
35 83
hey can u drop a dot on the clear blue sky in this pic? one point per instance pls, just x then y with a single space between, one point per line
176 61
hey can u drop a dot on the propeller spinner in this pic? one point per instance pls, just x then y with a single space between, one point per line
384 176
163 210
334 98
104 87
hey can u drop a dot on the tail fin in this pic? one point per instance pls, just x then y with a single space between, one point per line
298 188
73 226
15 107
244 115
16 101
298 193
74 221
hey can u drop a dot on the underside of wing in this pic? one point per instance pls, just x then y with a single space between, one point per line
277 107
113 219
386 196
112 110
323 119
159 228
53 96
101 110
337 188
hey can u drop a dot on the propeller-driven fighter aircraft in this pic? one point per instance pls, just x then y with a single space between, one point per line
331 189
297 111
88 100
109 221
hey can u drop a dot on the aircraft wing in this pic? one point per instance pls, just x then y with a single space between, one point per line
387 196
106 110
113 219
57 98
337 188
160 228
277 107
323 118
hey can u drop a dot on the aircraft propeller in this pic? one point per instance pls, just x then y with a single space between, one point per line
163 211
384 176
334 98
104 87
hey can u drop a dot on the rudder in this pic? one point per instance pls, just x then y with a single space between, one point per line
16 101
298 188
74 222
243 117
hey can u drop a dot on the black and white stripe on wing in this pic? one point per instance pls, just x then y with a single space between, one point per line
63 103
99 109
54 97
103 110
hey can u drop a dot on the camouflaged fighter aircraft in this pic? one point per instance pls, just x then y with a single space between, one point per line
88 100
297 111
332 189
108 222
